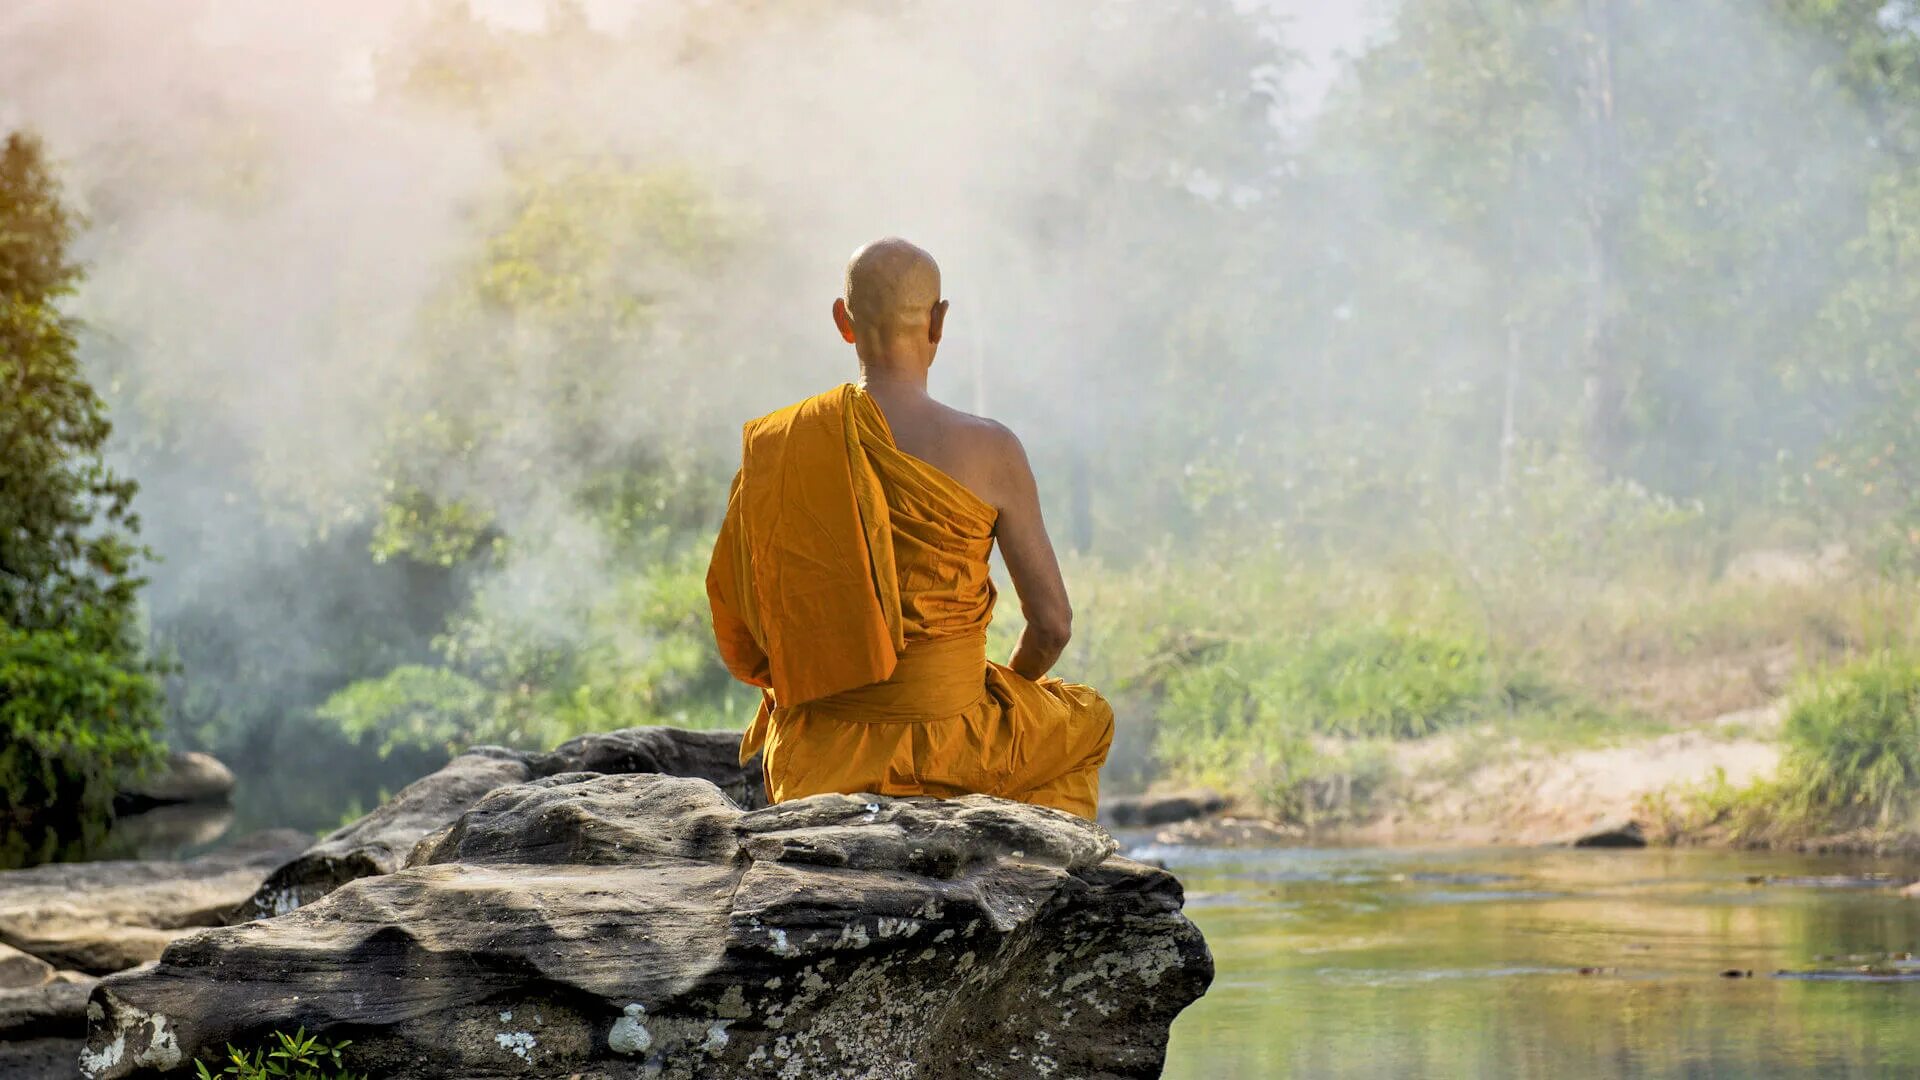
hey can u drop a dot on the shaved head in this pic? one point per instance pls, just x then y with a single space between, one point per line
892 286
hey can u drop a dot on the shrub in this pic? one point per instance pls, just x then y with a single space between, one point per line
72 719
1853 743
639 650
78 698
1385 681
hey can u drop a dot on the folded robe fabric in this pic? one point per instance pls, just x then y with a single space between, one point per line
850 582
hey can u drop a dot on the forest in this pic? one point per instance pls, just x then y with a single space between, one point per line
1543 373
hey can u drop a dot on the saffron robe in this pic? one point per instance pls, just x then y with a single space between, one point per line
850 583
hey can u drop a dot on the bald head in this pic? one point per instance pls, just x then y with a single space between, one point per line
892 312
892 286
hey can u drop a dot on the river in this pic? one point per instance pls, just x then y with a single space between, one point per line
1548 963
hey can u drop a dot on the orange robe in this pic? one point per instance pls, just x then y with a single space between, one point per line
850 582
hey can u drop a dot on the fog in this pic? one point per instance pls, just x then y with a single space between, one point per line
1210 260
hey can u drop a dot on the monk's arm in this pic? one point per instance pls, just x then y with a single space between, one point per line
1024 545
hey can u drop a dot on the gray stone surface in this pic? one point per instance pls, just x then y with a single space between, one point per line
107 916
43 1028
57 1009
593 927
41 1058
19 971
380 842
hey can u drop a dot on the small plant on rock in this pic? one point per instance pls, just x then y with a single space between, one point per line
298 1056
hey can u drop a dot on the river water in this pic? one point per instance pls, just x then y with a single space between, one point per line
1548 963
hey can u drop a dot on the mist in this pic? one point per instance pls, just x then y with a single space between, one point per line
1230 270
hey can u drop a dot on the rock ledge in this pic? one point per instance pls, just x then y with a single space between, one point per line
592 926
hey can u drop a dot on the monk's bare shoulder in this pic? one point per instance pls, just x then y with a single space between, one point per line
996 462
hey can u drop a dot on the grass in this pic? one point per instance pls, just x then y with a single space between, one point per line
1304 723
1294 681
1853 743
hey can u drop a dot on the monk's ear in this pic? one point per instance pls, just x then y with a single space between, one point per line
936 323
843 319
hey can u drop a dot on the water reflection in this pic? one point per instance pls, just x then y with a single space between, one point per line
1550 963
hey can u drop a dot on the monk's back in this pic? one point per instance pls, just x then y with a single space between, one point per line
968 448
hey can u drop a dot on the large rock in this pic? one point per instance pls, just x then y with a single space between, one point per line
184 777
106 916
380 842
596 927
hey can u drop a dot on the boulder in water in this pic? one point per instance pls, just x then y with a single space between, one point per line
1165 808
595 927
1622 833
183 777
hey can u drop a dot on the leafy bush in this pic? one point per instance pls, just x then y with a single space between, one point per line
298 1056
78 699
71 720
1853 743
637 652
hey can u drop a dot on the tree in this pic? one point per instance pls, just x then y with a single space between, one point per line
78 696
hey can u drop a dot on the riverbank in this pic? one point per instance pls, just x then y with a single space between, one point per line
1717 783
1770 698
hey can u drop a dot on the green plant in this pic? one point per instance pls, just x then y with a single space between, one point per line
410 706
72 718
1384 681
1853 743
1304 723
79 700
298 1056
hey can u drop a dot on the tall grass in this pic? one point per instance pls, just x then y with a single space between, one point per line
1853 744
1302 723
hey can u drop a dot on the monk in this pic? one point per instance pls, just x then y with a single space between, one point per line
850 581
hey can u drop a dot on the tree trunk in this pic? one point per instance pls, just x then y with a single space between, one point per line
1604 384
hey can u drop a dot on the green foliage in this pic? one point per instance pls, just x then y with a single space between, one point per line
1302 721
298 1056
79 700
1387 681
1853 744
411 705
1849 769
519 471
74 720
66 520
640 652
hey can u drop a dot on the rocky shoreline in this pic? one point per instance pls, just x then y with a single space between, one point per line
589 912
